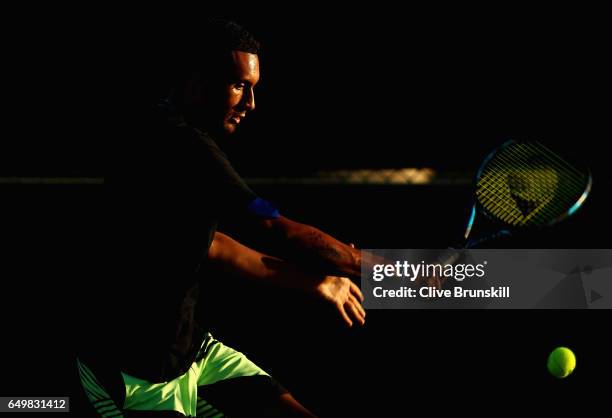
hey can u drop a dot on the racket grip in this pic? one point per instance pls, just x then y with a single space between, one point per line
450 256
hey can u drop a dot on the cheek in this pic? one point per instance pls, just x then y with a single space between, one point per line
233 98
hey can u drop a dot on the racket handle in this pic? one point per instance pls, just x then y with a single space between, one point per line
451 256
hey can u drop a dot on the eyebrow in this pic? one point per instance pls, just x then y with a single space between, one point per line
245 81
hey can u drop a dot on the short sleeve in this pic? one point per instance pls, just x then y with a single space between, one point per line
223 188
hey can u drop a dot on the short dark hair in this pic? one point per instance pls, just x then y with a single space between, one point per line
206 49
200 49
226 35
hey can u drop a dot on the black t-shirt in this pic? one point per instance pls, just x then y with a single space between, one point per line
165 202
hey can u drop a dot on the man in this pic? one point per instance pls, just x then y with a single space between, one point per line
176 185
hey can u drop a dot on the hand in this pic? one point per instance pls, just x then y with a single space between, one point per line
430 281
345 295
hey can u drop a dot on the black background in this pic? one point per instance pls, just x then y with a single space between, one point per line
346 88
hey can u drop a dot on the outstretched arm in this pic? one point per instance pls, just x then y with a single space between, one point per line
239 260
315 245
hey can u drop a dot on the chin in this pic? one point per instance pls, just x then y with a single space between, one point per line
229 128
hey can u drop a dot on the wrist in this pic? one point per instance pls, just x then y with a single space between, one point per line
356 260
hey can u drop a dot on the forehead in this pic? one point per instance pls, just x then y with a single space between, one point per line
246 66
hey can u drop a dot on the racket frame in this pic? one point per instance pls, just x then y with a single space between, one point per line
477 206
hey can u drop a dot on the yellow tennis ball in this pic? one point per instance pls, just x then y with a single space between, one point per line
561 362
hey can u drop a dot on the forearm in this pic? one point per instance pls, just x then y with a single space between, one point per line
242 261
319 246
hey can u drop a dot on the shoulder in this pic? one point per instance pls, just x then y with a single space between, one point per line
192 142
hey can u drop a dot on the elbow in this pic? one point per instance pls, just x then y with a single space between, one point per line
216 247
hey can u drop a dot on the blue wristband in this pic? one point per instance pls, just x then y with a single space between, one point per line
263 209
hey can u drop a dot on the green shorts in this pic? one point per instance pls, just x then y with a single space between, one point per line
220 382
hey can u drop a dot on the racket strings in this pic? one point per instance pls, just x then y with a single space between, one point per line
548 157
527 184
530 189
546 177
494 184
575 179
520 180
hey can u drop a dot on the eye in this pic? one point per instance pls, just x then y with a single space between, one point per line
239 86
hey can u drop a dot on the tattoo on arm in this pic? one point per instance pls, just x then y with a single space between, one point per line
318 243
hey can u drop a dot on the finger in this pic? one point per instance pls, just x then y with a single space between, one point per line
347 319
434 282
355 312
356 291
357 305
352 245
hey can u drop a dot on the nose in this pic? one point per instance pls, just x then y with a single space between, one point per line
249 99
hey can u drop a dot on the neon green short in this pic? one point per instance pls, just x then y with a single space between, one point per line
212 384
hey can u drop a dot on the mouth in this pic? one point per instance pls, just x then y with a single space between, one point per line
236 119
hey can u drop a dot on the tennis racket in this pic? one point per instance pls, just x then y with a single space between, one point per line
523 186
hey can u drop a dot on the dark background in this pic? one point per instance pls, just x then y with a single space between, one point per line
351 88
